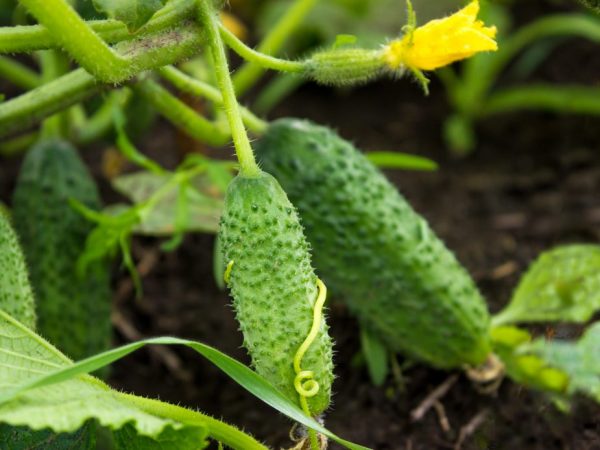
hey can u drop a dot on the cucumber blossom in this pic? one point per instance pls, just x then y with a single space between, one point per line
16 296
273 285
73 310
374 250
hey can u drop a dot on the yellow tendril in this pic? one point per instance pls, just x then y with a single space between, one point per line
304 382
227 273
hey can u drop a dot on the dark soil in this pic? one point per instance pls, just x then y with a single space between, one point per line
531 184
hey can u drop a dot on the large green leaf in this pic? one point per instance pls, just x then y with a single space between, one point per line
39 387
563 284
134 13
580 360
203 201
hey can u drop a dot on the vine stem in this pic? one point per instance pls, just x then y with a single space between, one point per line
245 78
208 17
199 88
28 38
18 74
262 59
218 430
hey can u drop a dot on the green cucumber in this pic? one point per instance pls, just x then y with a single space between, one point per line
73 309
374 250
273 285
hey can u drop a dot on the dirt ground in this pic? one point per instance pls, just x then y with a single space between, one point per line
532 183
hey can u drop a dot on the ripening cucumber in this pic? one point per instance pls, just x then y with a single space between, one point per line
374 250
16 296
73 309
273 285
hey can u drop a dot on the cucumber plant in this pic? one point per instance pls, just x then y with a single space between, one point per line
263 254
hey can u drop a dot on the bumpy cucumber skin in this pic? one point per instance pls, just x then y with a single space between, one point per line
374 250
16 296
273 285
73 310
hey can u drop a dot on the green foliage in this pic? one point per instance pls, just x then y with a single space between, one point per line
376 356
134 13
525 368
562 284
23 438
73 309
16 295
39 379
273 285
374 250
580 360
202 197
594 5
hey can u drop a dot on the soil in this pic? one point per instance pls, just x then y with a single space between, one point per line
531 184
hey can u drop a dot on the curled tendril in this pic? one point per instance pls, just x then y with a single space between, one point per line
227 273
305 385
304 382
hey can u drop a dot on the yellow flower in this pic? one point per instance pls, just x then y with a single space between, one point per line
442 41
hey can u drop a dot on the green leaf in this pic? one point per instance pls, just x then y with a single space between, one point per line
563 284
204 203
397 160
65 405
134 13
23 438
127 438
526 369
41 388
580 360
376 356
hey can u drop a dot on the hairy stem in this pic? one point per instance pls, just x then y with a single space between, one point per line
209 19
227 434
93 54
28 109
38 37
180 114
199 88
18 74
272 43
264 60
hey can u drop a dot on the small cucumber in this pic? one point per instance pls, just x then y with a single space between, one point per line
16 296
374 250
73 310
273 285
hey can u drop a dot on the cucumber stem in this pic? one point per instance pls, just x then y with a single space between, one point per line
220 431
208 17
250 72
262 59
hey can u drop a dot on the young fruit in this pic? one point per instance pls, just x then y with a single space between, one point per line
273 285
375 251
73 310
16 296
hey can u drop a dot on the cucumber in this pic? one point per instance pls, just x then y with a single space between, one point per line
273 285
16 295
375 251
73 310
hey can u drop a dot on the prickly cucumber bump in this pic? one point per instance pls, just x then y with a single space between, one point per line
16 296
73 310
273 285
374 250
